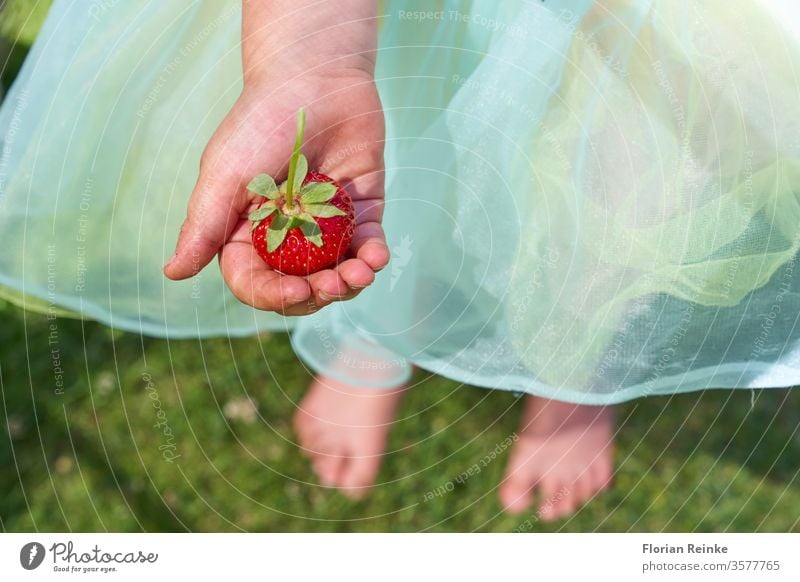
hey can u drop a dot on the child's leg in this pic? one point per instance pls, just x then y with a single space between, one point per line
343 430
564 452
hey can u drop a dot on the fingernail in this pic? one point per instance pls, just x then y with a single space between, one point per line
326 297
294 299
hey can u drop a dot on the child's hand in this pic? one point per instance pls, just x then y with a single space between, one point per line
344 139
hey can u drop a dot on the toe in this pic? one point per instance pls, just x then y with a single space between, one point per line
305 430
557 499
566 505
601 475
301 429
328 467
358 475
583 488
516 496
516 491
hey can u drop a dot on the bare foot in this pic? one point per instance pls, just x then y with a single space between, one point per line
564 452
343 431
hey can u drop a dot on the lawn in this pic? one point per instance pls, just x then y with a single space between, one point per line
139 434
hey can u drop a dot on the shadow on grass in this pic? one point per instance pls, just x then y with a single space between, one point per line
737 426
89 458
11 59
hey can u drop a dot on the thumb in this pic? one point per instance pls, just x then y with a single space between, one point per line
215 207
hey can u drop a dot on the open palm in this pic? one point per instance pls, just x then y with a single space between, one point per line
344 139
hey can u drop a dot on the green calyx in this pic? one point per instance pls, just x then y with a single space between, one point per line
295 204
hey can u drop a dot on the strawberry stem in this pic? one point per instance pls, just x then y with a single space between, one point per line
298 142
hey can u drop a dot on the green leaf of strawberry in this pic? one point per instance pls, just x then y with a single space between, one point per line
277 231
317 192
323 210
310 229
258 215
264 185
262 212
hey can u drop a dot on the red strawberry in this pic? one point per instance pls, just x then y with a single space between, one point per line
307 224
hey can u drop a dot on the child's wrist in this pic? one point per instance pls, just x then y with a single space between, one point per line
285 40
287 70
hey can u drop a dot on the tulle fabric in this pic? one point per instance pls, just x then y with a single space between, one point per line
102 134
591 201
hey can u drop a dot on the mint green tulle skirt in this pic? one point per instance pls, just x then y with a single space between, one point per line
589 201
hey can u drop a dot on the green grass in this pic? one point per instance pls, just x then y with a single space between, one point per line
19 22
21 19
89 459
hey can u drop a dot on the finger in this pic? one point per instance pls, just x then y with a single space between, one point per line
369 245
327 286
214 208
254 283
305 308
356 274
239 150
